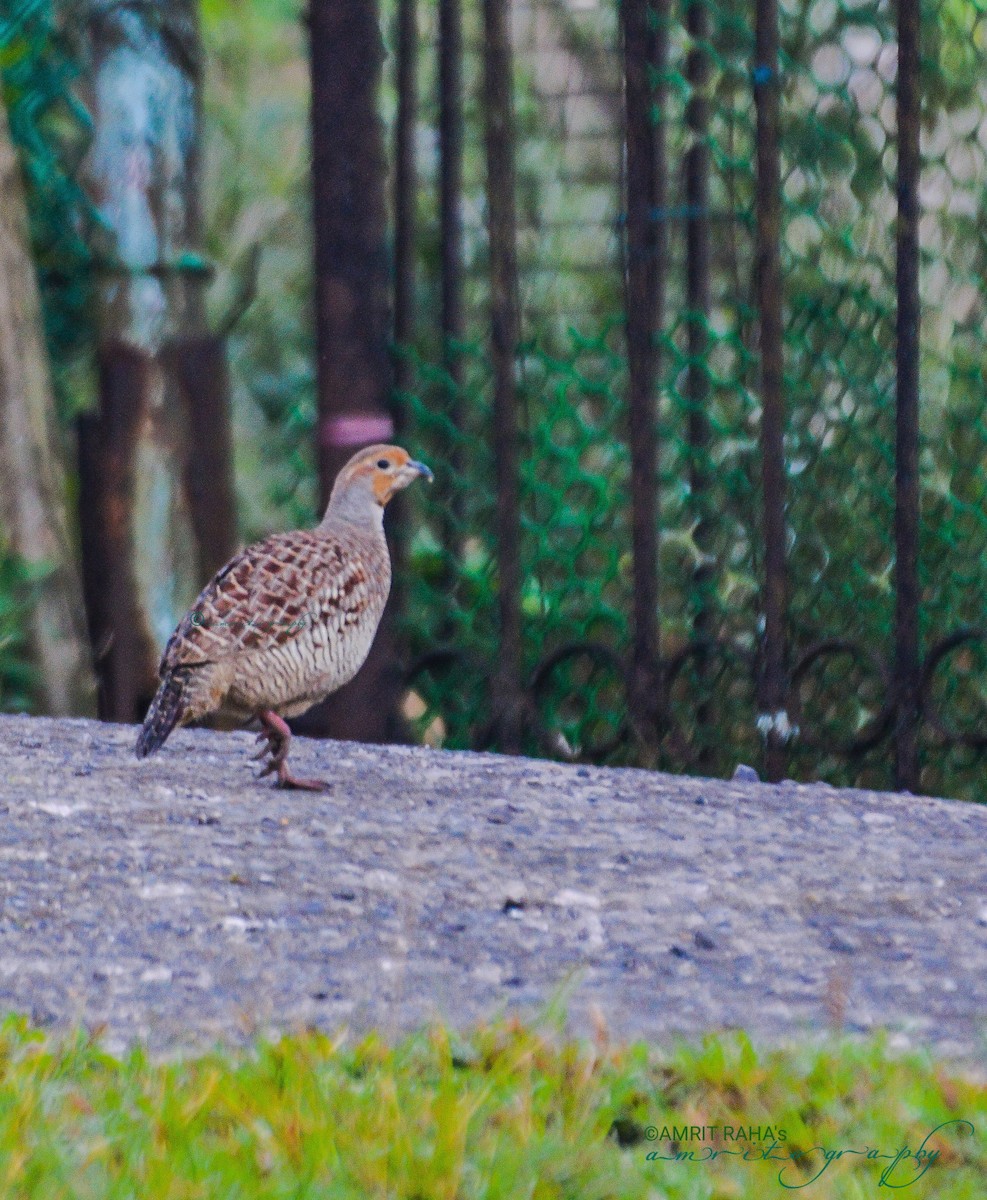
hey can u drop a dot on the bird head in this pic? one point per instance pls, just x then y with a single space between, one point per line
374 476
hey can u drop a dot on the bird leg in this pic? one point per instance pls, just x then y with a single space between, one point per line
277 737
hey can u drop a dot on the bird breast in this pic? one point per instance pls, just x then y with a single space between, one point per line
316 620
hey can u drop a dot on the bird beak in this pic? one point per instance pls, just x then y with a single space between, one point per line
420 469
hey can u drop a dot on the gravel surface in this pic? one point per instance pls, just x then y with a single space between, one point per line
179 900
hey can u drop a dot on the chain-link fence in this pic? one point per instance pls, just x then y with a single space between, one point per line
837 80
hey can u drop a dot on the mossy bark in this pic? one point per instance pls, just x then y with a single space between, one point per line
34 511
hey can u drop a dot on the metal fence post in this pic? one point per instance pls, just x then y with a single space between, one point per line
644 46
405 182
498 84
773 683
451 239
451 176
909 103
698 305
405 237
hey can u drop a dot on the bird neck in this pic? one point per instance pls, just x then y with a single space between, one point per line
356 506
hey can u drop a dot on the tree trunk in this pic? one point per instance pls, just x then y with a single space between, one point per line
33 508
156 499
351 303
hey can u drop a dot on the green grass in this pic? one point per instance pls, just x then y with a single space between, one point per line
507 1111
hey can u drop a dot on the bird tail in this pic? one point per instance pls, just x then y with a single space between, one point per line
167 709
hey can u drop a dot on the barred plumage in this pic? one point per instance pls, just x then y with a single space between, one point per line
289 620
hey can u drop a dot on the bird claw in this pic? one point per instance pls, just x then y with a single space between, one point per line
290 783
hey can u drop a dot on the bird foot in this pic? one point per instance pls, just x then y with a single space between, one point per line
289 782
277 765
277 738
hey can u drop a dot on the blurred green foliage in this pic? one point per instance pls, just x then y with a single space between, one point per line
50 128
18 679
257 195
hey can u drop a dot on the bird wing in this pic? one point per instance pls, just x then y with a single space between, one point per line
268 594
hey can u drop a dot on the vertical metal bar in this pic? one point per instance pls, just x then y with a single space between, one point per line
451 178
498 84
773 683
405 182
644 27
698 306
909 102
451 238
352 302
405 226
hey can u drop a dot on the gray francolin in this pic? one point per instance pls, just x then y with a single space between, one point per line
288 620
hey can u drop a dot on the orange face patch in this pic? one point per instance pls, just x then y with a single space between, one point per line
383 485
379 465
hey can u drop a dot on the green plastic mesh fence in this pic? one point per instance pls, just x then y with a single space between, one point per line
838 257
839 266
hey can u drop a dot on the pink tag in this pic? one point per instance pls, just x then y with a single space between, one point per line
357 429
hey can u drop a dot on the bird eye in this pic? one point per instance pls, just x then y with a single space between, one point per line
383 464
